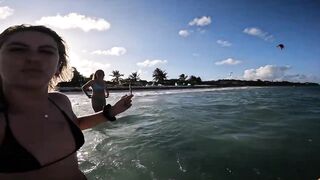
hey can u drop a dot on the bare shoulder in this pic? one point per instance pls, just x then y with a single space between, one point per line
64 103
60 98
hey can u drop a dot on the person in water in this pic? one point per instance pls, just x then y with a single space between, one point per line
99 90
39 132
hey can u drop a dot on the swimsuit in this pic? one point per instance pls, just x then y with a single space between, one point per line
15 158
97 87
98 101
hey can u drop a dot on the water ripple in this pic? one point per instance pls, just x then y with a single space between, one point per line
228 133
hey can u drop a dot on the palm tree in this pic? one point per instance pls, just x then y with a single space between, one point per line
117 77
134 77
159 75
183 78
194 80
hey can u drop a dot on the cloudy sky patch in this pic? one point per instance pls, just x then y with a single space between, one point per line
5 12
203 21
253 31
151 63
75 21
85 66
114 51
229 61
223 43
267 72
184 33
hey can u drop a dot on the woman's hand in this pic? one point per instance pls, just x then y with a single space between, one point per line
122 105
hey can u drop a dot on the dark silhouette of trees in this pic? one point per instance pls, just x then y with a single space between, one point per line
117 77
183 79
134 77
77 80
159 75
193 80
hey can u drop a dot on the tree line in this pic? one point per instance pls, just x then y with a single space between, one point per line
160 77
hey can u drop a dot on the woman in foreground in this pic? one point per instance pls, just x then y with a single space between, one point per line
39 132
99 90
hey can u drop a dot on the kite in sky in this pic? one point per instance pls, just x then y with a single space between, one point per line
281 46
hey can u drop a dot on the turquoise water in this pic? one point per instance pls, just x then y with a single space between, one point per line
228 133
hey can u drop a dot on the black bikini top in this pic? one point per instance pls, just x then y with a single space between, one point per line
15 158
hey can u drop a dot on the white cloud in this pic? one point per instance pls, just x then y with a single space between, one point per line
301 78
86 67
5 12
184 33
229 61
253 31
144 74
224 43
201 31
114 51
267 72
74 20
277 73
203 21
141 72
151 63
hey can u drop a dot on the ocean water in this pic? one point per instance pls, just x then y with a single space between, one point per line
218 134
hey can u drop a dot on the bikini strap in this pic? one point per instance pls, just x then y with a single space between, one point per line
77 133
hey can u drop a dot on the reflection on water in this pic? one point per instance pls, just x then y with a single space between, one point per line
227 133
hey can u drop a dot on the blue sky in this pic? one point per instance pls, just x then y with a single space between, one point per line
212 39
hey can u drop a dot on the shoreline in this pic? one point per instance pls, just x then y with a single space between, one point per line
122 88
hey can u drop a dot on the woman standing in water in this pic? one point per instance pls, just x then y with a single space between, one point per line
39 132
99 90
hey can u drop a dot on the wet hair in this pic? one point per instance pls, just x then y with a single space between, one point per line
96 73
64 71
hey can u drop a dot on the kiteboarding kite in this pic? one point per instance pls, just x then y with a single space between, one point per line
281 46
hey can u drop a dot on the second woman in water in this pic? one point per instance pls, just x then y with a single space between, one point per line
99 90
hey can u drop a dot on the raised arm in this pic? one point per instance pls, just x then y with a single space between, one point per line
86 86
90 121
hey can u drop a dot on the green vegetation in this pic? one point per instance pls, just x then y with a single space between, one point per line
117 77
159 76
77 81
160 79
134 77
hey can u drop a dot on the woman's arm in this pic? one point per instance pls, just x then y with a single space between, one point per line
86 86
90 121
